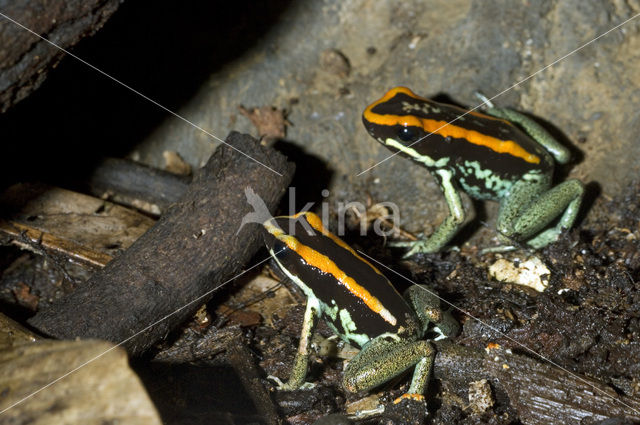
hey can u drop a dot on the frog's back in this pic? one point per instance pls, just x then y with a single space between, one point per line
356 299
486 153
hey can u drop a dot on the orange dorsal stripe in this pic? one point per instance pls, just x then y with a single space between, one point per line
326 265
316 223
444 129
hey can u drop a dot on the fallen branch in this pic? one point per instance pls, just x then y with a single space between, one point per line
194 248
131 181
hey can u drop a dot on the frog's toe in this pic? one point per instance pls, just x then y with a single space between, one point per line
281 386
415 249
401 244
420 247
498 249
545 238
286 386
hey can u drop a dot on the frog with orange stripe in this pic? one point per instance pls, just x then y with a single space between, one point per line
502 155
359 304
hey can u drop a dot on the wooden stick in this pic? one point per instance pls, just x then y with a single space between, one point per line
194 248
134 181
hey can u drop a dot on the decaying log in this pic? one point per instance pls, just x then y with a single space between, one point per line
130 181
194 248
25 58
540 392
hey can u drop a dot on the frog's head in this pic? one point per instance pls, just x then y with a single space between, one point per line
396 116
286 232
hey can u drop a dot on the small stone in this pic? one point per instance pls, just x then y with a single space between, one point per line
531 272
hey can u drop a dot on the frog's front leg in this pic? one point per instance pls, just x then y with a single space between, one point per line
449 227
383 359
299 369
530 207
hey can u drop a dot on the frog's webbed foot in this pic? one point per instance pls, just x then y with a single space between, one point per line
545 238
401 244
408 408
498 249
288 386
420 246
507 244
367 413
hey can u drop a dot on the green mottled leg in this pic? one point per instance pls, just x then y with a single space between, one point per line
299 369
382 359
421 375
540 208
427 306
532 128
449 227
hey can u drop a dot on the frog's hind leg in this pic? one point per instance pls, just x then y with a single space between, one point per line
382 359
426 304
541 207
560 153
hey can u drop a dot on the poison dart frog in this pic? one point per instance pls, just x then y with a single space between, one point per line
359 304
503 156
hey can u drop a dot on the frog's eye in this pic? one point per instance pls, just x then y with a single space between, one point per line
407 134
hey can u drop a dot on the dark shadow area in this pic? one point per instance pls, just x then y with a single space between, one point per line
164 50
197 395
447 100
311 178
592 191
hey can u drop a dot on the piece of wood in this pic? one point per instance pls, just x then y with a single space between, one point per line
540 392
26 59
32 239
130 183
68 225
192 250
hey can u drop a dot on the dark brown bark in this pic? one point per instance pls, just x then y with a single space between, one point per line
25 59
133 180
194 248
